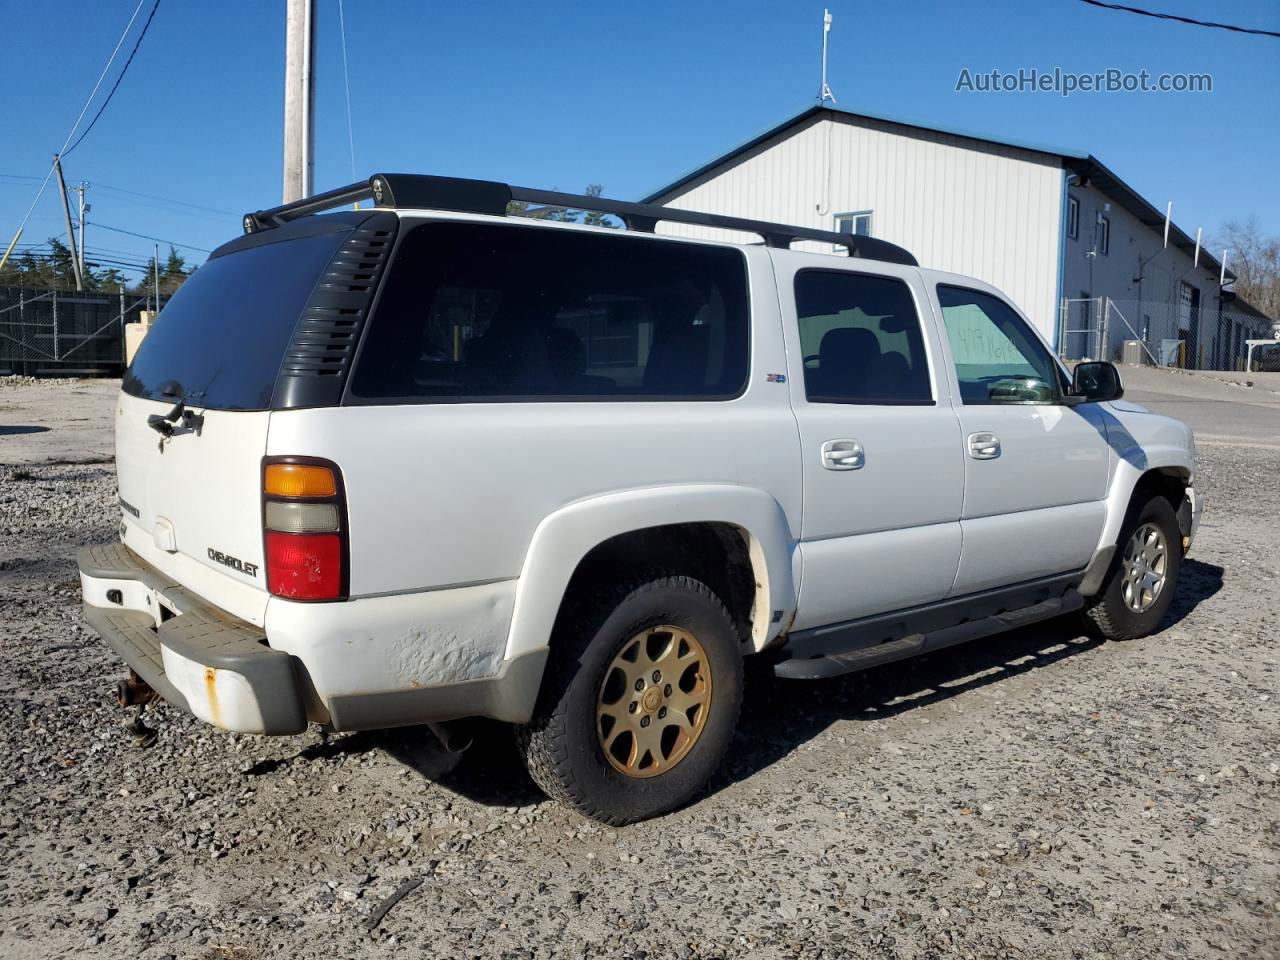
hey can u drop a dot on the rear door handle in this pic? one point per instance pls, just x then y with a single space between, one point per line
843 455
984 446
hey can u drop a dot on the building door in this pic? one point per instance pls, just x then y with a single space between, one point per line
1189 324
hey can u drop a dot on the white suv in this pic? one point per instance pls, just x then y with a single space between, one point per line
426 462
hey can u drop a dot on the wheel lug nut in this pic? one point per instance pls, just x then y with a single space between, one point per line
644 721
657 676
666 691
631 707
639 685
662 713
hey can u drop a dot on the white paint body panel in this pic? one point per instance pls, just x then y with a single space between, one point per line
205 491
396 643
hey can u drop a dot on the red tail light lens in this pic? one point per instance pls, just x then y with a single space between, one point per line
304 566
304 529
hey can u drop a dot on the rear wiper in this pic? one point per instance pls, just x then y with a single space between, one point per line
163 424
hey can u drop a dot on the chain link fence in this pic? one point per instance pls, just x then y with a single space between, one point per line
66 332
1160 334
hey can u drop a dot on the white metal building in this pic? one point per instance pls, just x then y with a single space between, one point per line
1045 225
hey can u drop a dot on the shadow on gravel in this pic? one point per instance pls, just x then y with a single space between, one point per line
1197 582
489 772
777 716
780 715
18 430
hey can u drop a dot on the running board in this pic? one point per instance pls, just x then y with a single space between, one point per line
858 646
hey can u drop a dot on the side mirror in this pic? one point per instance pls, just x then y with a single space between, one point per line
1096 381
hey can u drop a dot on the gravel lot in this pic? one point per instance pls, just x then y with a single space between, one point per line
1036 795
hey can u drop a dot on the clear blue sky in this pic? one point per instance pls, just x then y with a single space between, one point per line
626 95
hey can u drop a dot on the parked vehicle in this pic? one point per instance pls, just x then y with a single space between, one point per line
426 462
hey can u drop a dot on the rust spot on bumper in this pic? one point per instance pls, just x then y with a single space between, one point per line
211 691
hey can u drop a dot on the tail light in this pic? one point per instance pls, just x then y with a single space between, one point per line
304 521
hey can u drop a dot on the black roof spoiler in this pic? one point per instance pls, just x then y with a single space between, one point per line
419 191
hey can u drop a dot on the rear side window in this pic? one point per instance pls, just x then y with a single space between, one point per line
489 312
220 341
860 336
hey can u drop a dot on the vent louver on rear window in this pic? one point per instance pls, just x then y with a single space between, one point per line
315 367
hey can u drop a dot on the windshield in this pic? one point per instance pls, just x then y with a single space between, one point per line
220 341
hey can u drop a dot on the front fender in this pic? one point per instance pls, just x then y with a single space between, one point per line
1141 442
562 539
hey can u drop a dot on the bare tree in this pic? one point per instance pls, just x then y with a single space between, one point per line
1255 260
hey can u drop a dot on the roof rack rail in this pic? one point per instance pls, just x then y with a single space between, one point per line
406 190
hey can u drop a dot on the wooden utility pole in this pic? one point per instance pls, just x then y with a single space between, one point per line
66 213
299 99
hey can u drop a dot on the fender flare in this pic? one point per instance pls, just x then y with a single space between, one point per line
1134 461
563 538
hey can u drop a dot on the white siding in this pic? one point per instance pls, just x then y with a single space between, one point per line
1138 250
988 211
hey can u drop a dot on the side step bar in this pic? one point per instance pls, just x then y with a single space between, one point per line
846 648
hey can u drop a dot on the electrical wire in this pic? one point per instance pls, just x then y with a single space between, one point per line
83 110
1187 20
145 236
346 82
152 196
116 85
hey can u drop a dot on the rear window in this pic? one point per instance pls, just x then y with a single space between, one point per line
220 341
474 312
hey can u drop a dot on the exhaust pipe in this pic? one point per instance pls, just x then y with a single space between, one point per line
452 734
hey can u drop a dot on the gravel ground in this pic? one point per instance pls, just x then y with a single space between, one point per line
1036 795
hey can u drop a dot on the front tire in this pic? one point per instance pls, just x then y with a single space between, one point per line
639 703
1144 574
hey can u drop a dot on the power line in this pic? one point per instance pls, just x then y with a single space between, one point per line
72 132
1188 20
346 82
152 196
146 236
102 76
116 85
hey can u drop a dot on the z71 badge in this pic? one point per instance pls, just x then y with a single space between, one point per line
235 563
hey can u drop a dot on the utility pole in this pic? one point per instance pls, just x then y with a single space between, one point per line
299 99
84 208
155 267
66 213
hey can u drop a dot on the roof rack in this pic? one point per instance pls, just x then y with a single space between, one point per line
406 190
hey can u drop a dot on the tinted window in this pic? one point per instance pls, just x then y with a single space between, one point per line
220 341
861 340
998 359
479 311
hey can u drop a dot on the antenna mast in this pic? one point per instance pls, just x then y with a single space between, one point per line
824 92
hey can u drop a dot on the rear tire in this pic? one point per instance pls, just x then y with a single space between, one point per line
1143 576
585 745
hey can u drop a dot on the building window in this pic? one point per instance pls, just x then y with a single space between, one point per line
1073 218
1104 235
858 223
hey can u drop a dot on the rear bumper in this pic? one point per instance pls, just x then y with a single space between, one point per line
366 664
193 654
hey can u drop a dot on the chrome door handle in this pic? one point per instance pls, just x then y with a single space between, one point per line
984 446
843 455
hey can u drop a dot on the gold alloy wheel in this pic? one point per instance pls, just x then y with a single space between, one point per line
653 701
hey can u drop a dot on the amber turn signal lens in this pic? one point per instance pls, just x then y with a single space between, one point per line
299 480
